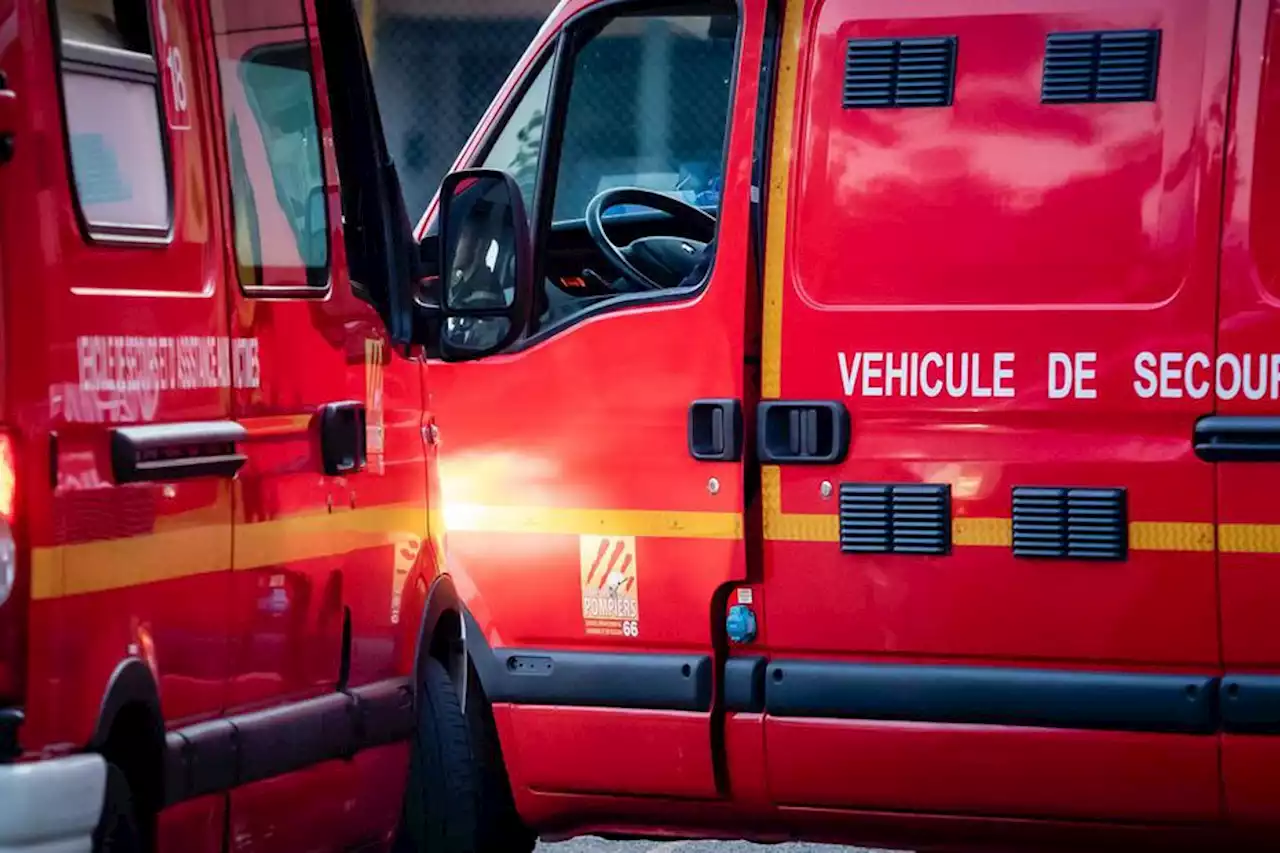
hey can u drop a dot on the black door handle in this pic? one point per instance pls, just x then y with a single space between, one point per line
163 452
1237 438
715 430
802 432
343 440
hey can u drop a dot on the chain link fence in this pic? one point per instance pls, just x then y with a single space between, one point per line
436 65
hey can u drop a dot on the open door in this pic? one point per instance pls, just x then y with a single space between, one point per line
592 472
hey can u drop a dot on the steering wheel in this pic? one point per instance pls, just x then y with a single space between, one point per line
683 213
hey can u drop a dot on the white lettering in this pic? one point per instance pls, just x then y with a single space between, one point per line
1196 390
125 364
871 370
957 385
898 374
849 372
1085 372
1225 391
1169 366
978 390
932 386
1144 365
1003 374
1059 375
1255 390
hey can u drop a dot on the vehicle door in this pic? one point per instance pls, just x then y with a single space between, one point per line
589 536
988 333
333 495
1242 437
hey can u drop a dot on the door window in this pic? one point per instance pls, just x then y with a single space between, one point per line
280 204
647 106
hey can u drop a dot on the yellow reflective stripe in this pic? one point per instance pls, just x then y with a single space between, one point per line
1249 538
982 532
118 563
779 191
998 533
309 537
108 564
1170 536
475 518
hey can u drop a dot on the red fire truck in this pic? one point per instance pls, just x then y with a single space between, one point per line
872 438
215 472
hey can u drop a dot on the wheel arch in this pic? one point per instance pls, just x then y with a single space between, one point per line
130 731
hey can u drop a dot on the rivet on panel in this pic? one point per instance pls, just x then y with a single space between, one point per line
827 489
713 486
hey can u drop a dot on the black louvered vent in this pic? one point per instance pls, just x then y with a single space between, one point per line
1101 67
899 73
1070 524
882 518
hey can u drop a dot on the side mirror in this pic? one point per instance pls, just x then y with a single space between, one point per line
486 264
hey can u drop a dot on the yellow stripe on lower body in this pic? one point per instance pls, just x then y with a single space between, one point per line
102 565
998 533
475 518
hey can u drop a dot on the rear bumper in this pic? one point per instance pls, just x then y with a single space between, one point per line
51 806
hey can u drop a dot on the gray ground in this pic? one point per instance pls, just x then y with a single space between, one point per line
596 845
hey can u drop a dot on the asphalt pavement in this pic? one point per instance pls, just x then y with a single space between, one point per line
597 845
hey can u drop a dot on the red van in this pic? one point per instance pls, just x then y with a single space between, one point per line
872 438
216 478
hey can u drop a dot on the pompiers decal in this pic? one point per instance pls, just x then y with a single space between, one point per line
610 575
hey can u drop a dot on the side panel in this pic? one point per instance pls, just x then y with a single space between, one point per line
982 284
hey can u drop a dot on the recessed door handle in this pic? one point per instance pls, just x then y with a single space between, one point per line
802 432
1226 438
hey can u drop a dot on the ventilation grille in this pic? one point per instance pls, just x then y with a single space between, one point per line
1070 524
1082 68
895 519
882 73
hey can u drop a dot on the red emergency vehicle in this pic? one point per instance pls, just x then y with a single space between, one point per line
215 472
886 456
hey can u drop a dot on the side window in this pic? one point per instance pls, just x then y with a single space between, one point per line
279 199
113 106
647 107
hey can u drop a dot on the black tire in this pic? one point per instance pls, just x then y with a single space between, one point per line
501 830
441 802
117 830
